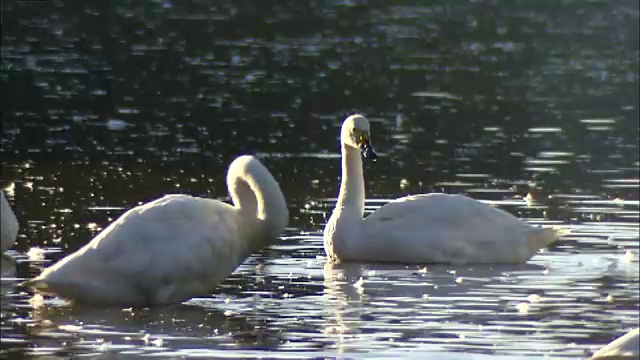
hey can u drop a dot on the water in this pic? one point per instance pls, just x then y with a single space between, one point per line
530 106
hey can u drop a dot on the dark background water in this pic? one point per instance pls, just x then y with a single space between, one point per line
109 104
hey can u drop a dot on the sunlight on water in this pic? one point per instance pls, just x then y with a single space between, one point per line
467 97
330 309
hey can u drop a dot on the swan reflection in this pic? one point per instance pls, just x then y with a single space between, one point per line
435 306
145 330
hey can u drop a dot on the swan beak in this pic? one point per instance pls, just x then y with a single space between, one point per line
366 148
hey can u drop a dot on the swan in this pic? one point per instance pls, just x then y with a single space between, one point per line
8 224
173 248
431 228
626 346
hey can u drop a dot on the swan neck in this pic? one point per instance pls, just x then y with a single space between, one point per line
352 195
258 197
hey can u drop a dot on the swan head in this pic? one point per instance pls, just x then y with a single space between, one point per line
356 134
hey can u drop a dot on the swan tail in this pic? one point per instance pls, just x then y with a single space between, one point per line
539 238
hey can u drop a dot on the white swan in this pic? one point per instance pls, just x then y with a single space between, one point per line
175 247
433 228
8 224
625 347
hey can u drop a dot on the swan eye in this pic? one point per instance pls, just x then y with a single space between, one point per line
362 138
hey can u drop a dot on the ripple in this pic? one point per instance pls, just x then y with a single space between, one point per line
464 98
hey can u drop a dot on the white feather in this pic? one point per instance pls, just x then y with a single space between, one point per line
175 247
432 228
626 346
8 224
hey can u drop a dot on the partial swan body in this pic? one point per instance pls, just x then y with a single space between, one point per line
8 224
174 248
625 347
431 228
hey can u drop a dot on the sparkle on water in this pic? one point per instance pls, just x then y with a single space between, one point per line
528 108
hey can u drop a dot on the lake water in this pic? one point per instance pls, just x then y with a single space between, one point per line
111 104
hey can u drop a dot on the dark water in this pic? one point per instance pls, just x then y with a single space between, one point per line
110 104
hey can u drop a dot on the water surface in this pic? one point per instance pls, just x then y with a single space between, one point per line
529 106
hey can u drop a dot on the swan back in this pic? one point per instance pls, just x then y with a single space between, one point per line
441 228
455 229
8 223
257 194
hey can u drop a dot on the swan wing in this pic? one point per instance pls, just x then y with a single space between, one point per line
447 228
167 250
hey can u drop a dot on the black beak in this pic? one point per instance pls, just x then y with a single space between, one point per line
367 150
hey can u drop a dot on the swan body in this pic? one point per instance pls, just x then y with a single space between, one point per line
625 347
431 228
173 248
8 224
